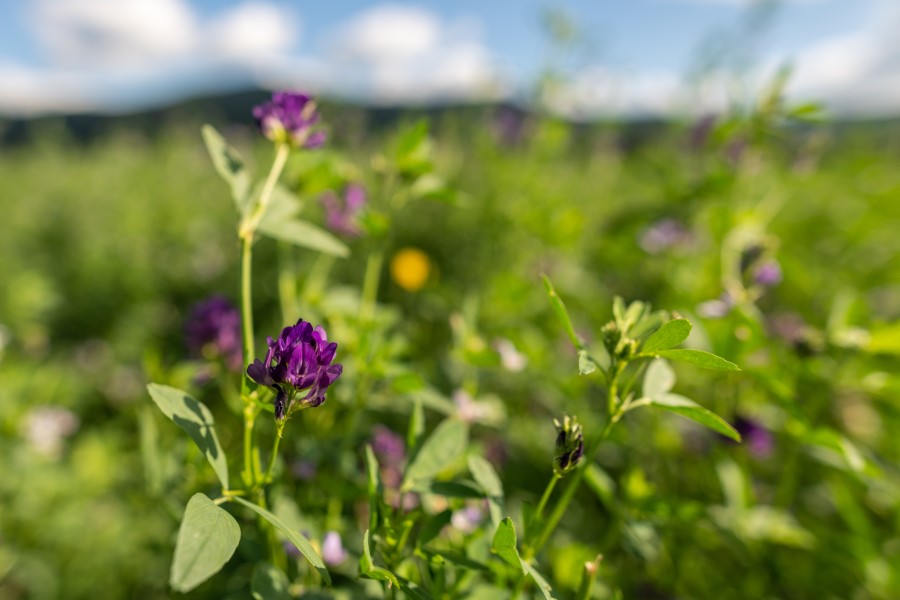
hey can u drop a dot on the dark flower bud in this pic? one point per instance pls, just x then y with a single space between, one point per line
569 445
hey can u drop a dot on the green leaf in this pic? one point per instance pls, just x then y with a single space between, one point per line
193 416
449 489
458 559
296 538
368 568
504 543
659 378
445 445
487 478
207 538
305 235
562 314
229 165
283 205
586 364
269 583
695 357
539 580
669 335
690 409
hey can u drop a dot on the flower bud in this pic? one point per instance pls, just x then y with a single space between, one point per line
569 445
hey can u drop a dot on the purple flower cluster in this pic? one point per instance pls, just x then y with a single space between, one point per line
300 359
213 329
341 217
289 119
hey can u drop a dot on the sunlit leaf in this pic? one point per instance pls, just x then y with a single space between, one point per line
195 418
207 538
487 478
445 445
504 543
690 409
695 357
669 335
306 235
295 537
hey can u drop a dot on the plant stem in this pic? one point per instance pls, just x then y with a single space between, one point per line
249 224
279 428
539 511
249 478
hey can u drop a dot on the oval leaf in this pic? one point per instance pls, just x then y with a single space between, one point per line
560 309
659 379
193 416
440 450
504 543
306 235
229 165
690 409
539 580
486 477
699 358
669 335
296 538
207 538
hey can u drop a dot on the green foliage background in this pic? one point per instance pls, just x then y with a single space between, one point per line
107 242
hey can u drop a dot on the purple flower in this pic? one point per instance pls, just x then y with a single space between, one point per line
701 131
300 359
767 274
333 552
391 452
664 234
467 519
341 217
213 329
289 119
716 309
759 441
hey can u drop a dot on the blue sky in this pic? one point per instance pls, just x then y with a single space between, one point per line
630 57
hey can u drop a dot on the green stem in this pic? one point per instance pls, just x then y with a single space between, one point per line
249 478
246 305
249 225
279 428
539 511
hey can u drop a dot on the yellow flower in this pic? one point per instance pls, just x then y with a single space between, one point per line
410 268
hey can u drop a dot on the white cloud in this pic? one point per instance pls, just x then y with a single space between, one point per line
856 73
387 33
114 32
400 53
252 29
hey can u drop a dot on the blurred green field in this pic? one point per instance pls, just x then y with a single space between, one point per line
109 241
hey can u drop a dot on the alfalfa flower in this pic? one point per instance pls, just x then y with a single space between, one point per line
299 360
213 330
289 118
342 216
569 445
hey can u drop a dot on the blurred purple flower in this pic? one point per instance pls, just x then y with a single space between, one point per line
304 470
759 441
341 217
700 131
510 357
768 274
663 235
289 119
213 330
716 309
468 519
388 446
509 125
333 552
300 359
735 150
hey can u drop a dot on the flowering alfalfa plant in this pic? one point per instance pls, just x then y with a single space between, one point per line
296 372
632 359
